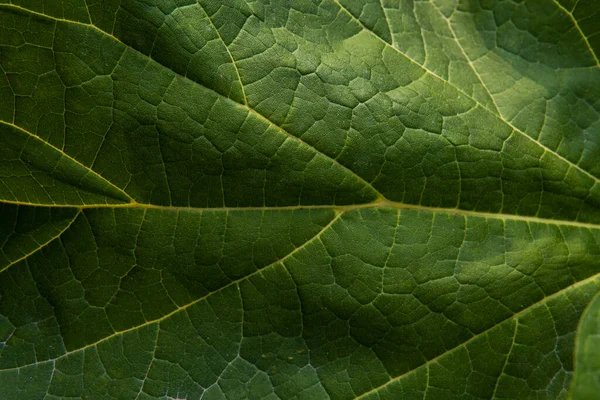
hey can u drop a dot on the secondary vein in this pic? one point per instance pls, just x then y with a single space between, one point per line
71 159
251 110
484 106
590 279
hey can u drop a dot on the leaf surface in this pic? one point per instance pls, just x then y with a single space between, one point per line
312 199
585 382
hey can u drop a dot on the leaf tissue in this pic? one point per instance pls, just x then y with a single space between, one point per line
299 199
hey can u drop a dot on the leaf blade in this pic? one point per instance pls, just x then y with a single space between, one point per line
311 208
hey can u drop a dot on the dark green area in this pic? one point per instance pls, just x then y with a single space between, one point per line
299 199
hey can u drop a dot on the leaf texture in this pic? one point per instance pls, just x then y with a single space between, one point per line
586 383
342 199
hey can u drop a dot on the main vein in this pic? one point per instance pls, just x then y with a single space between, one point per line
378 204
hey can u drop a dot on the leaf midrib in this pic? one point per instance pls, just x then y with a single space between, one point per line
380 202
384 203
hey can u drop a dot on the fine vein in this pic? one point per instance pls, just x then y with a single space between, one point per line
251 110
186 306
516 316
71 159
500 117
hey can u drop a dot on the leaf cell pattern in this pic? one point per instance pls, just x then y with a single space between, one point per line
343 199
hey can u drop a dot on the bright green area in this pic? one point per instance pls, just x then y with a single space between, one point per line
340 199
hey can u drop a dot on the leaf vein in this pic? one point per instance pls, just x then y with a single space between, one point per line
186 306
540 302
485 107
250 109
237 71
71 159
339 208
42 245
576 24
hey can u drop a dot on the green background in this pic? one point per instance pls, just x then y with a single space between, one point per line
300 199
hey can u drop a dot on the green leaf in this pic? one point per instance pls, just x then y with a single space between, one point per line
586 382
299 199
